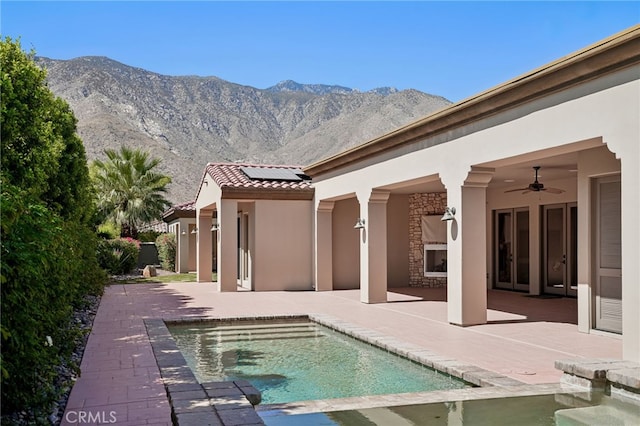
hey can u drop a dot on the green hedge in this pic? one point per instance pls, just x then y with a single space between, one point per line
118 256
48 247
166 245
46 270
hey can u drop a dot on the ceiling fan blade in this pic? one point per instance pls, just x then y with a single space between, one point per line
517 189
526 191
554 190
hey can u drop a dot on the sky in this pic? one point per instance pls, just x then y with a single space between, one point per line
453 49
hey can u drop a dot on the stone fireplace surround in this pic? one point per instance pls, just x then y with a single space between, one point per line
432 203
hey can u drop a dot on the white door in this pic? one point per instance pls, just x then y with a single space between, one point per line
608 265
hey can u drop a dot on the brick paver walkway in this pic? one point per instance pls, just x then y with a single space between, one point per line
120 381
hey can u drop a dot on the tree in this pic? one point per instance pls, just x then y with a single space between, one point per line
129 190
48 249
41 152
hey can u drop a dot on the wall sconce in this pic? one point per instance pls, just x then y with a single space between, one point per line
215 227
195 231
183 232
449 213
359 224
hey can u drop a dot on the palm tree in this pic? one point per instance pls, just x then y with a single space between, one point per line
129 191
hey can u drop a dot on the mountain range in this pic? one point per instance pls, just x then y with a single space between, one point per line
189 121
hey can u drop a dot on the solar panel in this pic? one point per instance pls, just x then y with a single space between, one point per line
263 173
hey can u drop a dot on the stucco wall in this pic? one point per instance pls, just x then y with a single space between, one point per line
346 247
398 241
283 245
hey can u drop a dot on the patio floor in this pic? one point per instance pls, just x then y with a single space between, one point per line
120 379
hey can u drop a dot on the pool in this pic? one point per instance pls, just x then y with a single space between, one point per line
539 410
298 361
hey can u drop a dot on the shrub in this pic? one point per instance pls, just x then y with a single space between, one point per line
118 256
46 270
166 244
48 249
108 231
148 236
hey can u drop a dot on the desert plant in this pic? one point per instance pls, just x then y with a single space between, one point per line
130 191
118 256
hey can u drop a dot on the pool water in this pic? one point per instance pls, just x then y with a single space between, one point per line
542 410
301 361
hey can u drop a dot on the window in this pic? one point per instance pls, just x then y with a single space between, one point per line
435 260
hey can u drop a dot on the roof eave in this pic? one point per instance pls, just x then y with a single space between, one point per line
609 55
229 192
178 214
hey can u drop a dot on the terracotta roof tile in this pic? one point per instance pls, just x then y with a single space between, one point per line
191 205
230 175
180 210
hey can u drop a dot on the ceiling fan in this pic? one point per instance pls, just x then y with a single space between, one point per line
536 186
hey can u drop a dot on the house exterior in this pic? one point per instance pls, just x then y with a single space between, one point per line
181 221
255 221
539 178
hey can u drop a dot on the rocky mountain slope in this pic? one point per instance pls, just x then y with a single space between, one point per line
189 121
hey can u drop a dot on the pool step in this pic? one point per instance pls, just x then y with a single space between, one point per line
265 332
265 326
225 332
245 337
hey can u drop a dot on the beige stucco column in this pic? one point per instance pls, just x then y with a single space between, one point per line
228 245
466 246
204 250
324 246
373 247
630 254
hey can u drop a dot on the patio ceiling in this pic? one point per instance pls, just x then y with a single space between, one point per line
509 173
521 173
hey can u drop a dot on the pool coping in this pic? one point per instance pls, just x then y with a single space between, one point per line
228 403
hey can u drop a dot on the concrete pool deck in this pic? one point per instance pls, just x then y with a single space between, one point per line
121 380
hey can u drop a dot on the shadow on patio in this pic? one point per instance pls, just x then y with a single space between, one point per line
504 306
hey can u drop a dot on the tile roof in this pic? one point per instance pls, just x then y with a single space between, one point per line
191 205
230 175
180 210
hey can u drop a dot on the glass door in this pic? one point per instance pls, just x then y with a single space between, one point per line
504 249
560 242
511 252
244 262
522 250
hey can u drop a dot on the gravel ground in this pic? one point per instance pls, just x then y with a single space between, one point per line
67 372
